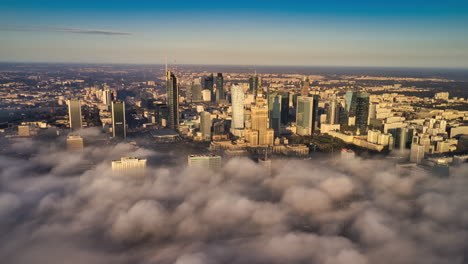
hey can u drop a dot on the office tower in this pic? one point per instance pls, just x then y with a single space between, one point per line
129 166
106 97
172 90
74 143
402 137
74 113
237 97
260 134
205 125
362 112
350 103
119 126
278 107
255 84
211 162
417 153
305 87
208 84
306 115
333 112
220 88
197 90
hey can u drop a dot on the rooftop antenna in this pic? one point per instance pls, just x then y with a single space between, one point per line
166 64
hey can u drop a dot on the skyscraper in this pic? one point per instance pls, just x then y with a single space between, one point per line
220 88
209 85
305 87
260 134
278 106
237 97
106 97
74 113
306 115
333 112
255 84
205 125
362 112
119 126
172 90
196 90
205 161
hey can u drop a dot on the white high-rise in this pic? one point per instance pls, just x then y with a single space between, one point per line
129 165
237 98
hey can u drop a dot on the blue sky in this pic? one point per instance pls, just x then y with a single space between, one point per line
329 33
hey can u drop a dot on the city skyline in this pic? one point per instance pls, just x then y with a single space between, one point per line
242 33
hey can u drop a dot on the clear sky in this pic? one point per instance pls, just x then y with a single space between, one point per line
411 33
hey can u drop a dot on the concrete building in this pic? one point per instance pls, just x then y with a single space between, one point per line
212 162
205 125
130 166
417 153
237 98
75 143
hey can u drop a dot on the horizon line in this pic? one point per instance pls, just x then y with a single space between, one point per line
246 65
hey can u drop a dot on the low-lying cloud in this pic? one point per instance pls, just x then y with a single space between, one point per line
67 30
54 209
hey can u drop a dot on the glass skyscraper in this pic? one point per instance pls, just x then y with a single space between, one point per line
220 87
362 112
172 90
278 107
74 113
119 126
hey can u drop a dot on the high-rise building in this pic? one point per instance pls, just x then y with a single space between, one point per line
130 166
350 103
212 162
208 84
106 96
306 115
196 90
278 106
305 87
255 84
172 90
237 98
362 112
417 153
205 125
333 113
74 114
119 125
74 143
220 88
403 137
260 133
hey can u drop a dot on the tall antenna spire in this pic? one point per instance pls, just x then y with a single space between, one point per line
166 64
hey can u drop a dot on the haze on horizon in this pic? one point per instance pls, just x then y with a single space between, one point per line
343 33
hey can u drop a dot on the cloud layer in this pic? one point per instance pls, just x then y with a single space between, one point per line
54 207
67 30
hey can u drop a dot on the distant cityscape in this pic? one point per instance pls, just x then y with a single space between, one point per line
420 121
